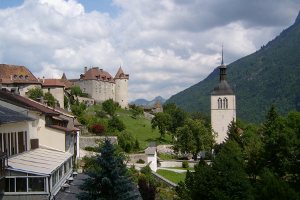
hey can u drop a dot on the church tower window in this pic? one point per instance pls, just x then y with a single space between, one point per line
225 102
219 103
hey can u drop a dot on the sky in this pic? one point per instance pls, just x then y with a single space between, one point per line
165 46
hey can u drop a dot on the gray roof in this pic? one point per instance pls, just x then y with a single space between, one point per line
38 161
9 116
223 88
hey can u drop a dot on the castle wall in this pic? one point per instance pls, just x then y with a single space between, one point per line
121 90
98 90
221 117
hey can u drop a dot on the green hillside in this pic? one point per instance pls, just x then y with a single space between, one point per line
268 76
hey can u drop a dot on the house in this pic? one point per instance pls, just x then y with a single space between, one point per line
41 149
17 79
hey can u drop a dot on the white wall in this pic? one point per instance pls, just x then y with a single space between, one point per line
121 90
153 159
221 118
58 94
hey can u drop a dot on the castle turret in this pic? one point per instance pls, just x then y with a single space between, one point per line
121 88
223 109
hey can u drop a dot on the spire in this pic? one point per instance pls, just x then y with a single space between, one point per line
222 67
222 62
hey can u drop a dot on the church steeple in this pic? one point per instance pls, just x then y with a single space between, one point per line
222 68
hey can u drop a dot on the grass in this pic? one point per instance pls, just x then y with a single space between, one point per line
172 176
190 168
164 156
141 129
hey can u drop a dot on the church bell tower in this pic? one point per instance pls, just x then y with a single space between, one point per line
223 109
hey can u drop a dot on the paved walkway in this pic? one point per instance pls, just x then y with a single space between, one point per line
73 190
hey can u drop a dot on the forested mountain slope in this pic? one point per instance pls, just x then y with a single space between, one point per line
271 75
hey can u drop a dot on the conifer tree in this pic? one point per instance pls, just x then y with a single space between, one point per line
108 178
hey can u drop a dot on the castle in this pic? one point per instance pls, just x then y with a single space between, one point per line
97 83
223 109
101 86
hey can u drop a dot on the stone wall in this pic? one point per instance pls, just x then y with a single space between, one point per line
93 141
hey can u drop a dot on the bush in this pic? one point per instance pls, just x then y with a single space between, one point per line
127 142
141 161
98 129
116 124
185 164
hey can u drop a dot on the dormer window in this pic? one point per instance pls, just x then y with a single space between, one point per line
15 76
21 77
26 77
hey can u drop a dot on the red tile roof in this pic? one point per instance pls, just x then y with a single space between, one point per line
97 74
16 74
121 75
52 83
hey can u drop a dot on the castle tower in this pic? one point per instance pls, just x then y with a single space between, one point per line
121 88
223 109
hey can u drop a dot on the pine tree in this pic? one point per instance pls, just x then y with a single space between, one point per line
108 178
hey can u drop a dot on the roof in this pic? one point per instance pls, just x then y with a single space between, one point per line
10 116
223 88
97 74
53 83
150 150
66 82
121 75
38 161
61 128
24 102
16 74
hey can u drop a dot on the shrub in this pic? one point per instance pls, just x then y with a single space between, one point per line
127 142
98 129
141 161
185 164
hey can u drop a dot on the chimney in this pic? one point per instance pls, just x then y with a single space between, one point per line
85 70
11 77
43 79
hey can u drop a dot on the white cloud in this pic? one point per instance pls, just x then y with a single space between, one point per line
165 46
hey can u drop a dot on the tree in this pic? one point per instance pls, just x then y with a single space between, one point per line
162 121
76 91
66 102
225 179
178 116
194 137
35 93
280 144
234 133
49 98
127 142
115 124
147 184
98 129
136 110
110 107
108 178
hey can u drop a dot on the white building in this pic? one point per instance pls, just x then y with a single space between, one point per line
41 144
223 109
101 86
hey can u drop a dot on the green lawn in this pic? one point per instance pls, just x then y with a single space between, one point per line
172 176
141 129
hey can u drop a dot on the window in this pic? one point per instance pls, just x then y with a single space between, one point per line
9 185
219 103
36 184
225 102
21 185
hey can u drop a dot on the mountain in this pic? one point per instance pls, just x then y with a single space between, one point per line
144 102
271 75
